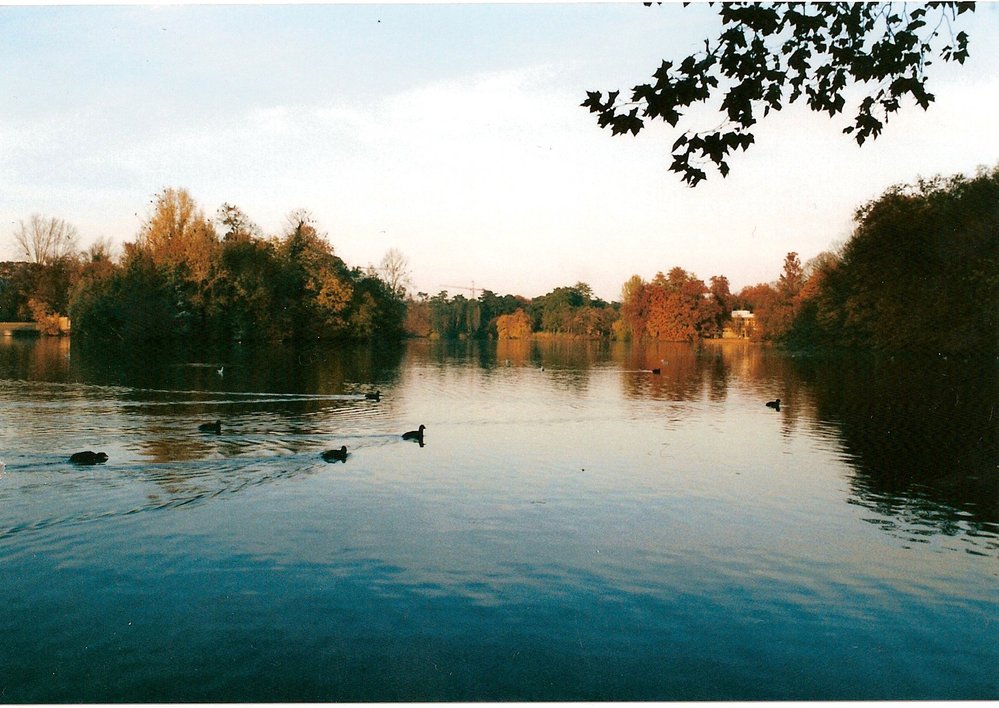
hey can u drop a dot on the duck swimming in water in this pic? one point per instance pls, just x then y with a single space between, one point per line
376 396
336 455
774 404
87 458
215 427
416 435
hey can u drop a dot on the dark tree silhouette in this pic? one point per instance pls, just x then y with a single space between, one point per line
920 273
767 56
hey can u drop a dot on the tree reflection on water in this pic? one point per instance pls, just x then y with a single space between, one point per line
921 433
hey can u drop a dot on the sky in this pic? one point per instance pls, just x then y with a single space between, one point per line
450 132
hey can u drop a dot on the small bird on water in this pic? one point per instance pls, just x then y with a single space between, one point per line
376 396
215 427
774 404
336 455
87 458
416 435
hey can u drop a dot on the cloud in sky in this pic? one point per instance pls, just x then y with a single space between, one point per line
451 133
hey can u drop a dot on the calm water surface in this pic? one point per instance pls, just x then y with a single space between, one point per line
574 528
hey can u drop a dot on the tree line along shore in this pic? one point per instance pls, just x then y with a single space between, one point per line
920 272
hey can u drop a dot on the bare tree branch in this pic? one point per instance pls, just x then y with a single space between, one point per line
46 240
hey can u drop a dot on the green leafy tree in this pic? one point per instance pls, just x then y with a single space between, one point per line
53 284
135 302
17 283
557 309
767 56
493 306
377 310
95 306
247 302
447 316
565 310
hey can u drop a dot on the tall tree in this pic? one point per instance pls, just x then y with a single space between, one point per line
177 234
585 292
394 270
678 307
236 225
769 55
245 286
758 299
792 278
46 239
317 287
634 308
556 309
719 289
920 272
417 320
513 326
779 316
100 251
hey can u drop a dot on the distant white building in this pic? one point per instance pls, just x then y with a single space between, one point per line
741 326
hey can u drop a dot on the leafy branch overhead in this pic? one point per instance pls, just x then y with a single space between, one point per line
768 56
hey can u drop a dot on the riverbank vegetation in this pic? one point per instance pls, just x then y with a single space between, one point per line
919 273
187 275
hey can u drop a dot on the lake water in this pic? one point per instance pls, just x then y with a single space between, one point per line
574 528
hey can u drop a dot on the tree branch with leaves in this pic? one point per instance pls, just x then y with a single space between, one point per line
769 56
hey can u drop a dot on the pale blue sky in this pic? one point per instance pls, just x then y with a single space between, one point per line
451 132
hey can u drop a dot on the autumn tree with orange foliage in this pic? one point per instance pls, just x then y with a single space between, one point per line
776 305
178 235
675 307
317 287
514 326
178 278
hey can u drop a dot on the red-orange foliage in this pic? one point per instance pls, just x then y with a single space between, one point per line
674 307
515 326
